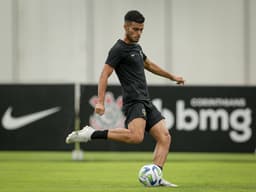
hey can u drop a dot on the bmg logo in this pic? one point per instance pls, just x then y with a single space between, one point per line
213 116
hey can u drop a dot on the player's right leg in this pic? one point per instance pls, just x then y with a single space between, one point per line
134 133
135 121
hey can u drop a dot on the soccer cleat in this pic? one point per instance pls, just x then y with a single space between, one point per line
165 183
83 135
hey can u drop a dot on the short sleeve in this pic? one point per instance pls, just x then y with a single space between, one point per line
114 57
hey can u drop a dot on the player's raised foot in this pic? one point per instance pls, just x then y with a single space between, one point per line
83 135
165 183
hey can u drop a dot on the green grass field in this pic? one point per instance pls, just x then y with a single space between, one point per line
117 172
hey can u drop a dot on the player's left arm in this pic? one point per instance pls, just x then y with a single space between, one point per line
153 68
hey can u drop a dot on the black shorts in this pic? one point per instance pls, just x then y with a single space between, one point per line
145 110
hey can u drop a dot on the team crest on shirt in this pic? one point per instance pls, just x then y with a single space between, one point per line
113 116
144 112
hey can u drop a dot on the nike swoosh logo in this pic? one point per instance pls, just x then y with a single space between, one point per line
11 123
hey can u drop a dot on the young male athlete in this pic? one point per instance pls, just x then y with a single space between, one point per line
128 60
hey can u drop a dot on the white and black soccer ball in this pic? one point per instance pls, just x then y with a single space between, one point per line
150 175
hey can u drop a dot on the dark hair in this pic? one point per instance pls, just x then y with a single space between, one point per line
135 16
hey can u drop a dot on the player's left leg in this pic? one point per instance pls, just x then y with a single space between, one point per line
163 140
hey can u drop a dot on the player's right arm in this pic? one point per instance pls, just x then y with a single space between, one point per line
102 86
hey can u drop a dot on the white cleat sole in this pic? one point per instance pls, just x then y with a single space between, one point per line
165 183
172 185
71 137
84 135
169 185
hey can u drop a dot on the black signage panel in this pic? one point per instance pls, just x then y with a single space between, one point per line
215 119
36 117
199 118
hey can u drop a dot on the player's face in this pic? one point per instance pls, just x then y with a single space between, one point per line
133 31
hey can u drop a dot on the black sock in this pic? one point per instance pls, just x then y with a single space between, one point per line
160 167
100 134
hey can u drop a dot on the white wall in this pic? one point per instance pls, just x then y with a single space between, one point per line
6 41
209 42
51 40
252 42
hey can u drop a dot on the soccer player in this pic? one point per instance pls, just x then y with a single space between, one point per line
129 61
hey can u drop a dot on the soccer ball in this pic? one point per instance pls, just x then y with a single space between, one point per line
150 175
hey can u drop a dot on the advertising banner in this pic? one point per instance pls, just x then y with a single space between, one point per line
199 118
36 117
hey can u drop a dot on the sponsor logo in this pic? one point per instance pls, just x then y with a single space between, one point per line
11 123
215 114
140 54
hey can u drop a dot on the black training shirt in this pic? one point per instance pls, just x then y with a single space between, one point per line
128 62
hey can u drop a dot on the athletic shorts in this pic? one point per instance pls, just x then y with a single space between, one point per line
145 110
